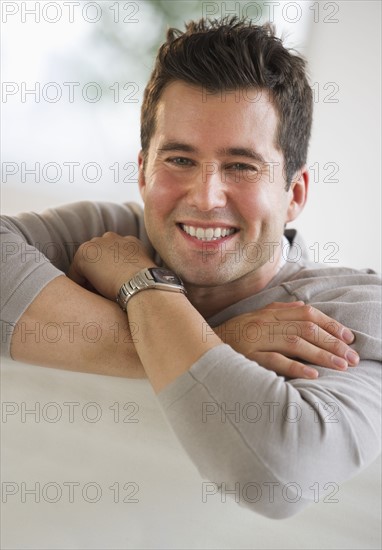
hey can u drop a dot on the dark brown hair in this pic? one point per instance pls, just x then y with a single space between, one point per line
232 54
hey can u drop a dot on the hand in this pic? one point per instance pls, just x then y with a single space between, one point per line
278 334
107 262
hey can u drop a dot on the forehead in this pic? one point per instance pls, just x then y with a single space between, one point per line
245 115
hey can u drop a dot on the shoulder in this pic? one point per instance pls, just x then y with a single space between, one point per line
350 296
317 280
334 288
108 214
87 217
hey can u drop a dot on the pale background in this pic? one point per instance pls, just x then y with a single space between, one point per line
344 58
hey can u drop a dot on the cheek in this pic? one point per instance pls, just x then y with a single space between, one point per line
161 195
252 201
260 204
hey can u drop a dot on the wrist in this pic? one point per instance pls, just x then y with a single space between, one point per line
149 278
127 274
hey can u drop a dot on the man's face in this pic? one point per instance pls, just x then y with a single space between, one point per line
213 185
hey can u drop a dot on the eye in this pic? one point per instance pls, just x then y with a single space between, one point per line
242 167
180 161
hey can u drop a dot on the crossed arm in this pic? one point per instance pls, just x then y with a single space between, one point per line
72 328
95 335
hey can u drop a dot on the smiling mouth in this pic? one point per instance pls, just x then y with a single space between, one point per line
208 234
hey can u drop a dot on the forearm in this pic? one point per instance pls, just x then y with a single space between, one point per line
172 338
70 328
245 428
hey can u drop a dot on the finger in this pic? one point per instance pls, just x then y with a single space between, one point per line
301 339
284 366
311 314
340 352
307 342
336 357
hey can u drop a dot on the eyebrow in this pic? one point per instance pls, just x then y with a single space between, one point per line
247 152
224 152
177 146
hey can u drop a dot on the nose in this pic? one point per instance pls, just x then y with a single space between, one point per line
207 191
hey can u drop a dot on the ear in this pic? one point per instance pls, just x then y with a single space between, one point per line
141 176
298 194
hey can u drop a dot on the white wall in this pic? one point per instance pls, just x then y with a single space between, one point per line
347 133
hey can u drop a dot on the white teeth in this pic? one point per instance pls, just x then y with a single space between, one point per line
209 234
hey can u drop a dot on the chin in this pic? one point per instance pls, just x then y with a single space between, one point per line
205 278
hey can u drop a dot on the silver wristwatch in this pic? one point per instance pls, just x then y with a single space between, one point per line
150 277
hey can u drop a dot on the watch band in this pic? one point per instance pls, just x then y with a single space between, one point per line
150 277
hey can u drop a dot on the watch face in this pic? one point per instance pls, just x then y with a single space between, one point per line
162 275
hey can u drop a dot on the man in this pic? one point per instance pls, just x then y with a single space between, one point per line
225 128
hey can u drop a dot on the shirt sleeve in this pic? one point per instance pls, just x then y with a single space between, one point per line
276 445
36 248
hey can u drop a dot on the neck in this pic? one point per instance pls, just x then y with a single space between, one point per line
212 299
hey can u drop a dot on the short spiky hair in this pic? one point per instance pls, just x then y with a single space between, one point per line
231 54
